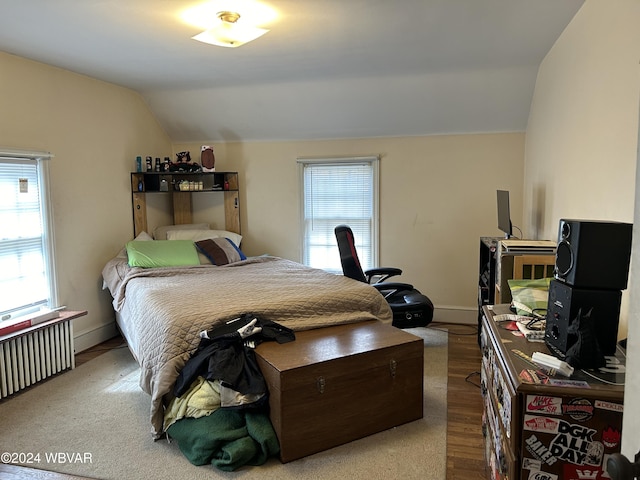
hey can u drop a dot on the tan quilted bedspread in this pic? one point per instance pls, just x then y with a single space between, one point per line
163 310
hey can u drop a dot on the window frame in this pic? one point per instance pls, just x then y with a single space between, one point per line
374 162
41 161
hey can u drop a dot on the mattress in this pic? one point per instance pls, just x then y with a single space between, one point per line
161 311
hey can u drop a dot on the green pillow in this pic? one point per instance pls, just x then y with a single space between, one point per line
162 253
530 297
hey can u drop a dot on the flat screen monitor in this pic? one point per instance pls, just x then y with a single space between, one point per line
504 215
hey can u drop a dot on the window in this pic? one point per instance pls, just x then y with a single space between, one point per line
339 191
26 263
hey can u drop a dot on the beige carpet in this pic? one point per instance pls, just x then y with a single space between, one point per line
98 415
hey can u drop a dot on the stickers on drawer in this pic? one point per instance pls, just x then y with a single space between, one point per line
542 476
574 443
533 377
579 409
611 437
538 449
542 404
535 423
531 464
584 472
568 438
613 407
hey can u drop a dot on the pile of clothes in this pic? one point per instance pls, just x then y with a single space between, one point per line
220 413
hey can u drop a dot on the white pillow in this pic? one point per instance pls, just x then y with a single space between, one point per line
160 233
197 235
142 236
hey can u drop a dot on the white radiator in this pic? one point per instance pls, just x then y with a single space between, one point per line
30 357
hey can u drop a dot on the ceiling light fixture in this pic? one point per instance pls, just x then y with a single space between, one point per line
230 33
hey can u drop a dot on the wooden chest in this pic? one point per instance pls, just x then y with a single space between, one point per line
337 384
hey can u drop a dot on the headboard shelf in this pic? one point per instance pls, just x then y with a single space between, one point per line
181 186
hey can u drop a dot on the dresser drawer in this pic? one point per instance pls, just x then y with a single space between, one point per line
499 456
502 393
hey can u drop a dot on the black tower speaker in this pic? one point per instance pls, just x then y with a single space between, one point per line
593 254
564 304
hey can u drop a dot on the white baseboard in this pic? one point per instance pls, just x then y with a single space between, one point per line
452 314
90 338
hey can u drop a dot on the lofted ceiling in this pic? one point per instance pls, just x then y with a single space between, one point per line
327 68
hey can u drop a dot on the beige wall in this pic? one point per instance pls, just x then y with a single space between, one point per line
581 147
95 130
437 197
583 126
437 193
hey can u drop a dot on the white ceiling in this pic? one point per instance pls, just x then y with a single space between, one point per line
327 68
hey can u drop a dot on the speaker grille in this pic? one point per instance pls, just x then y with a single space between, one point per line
564 259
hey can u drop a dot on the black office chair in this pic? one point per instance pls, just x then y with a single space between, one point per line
410 307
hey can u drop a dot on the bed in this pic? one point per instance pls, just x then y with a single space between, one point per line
161 311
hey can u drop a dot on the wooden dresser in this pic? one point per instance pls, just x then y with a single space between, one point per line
545 427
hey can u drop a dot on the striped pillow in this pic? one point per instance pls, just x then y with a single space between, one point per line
220 251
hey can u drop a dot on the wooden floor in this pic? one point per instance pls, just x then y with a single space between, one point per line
465 459
465 443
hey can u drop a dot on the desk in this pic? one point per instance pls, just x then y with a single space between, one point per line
565 428
502 260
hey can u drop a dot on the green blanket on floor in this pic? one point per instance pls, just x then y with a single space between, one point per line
228 438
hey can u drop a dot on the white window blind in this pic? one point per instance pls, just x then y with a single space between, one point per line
339 191
26 263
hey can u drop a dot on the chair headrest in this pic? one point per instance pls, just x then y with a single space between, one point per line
348 256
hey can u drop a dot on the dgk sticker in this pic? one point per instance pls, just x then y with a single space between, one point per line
573 444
